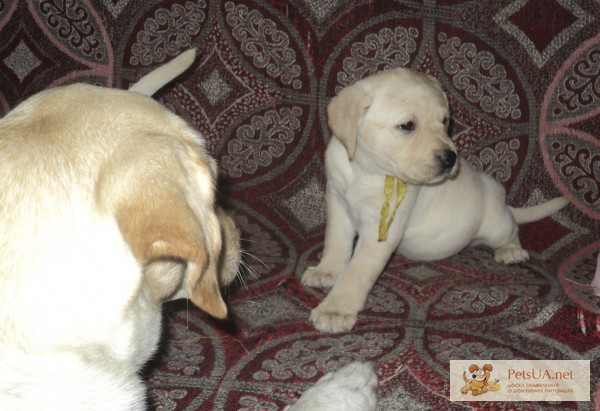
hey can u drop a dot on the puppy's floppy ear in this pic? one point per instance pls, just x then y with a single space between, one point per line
344 112
488 367
163 226
473 368
438 84
150 192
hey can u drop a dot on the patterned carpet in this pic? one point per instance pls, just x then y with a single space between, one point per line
522 77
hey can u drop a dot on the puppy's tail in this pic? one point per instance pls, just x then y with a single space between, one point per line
156 79
530 214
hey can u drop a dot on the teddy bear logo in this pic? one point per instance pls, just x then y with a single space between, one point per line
477 380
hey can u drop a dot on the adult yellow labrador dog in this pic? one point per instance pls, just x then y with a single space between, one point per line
394 178
107 209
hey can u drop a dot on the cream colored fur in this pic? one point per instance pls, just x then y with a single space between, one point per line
107 210
395 123
156 79
351 388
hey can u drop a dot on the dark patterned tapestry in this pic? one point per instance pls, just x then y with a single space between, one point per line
523 82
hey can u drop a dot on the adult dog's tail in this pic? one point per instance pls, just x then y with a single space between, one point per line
156 79
530 214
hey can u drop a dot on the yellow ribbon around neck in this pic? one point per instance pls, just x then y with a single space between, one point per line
384 223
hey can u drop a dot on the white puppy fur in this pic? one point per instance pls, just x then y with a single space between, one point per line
107 210
351 388
395 123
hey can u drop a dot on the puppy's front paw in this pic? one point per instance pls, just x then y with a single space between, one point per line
510 254
331 321
317 278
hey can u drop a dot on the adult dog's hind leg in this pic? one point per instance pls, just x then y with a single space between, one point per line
339 241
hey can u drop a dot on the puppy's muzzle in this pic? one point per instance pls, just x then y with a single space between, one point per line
230 252
447 160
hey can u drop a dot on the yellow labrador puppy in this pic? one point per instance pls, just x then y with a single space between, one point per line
394 179
106 210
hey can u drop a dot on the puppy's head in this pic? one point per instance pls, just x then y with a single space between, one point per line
479 374
160 185
396 123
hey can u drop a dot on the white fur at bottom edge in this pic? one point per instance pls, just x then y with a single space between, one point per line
351 388
64 381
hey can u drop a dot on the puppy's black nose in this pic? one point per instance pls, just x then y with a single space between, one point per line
447 159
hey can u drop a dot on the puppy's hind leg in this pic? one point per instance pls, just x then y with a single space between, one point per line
339 241
503 237
511 253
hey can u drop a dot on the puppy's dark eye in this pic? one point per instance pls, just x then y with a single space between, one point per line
410 126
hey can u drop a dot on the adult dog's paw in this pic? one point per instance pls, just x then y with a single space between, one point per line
317 278
331 321
510 254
